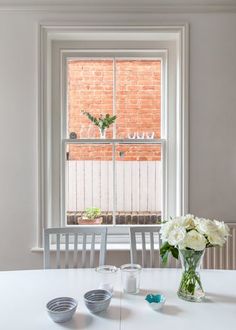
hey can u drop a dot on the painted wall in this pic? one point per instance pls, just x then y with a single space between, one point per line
212 121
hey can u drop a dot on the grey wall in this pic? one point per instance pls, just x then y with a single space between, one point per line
212 185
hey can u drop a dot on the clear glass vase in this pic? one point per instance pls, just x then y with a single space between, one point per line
190 286
102 133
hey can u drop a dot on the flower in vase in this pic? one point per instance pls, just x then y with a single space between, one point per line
194 241
188 236
222 228
177 236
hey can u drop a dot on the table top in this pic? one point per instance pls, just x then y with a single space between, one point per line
24 295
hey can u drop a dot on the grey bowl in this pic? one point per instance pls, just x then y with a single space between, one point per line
61 309
97 300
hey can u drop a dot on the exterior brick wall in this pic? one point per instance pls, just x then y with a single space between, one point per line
138 102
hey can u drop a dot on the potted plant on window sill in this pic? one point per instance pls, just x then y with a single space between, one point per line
103 122
91 216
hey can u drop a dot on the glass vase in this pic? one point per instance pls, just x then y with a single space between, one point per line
102 133
190 286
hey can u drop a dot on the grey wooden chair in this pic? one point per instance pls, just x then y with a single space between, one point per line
148 239
75 247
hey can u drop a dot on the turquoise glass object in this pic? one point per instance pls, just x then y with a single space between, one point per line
157 298
155 301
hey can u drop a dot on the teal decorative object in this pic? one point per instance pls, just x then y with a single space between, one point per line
155 301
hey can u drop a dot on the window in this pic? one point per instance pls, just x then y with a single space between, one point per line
123 178
138 173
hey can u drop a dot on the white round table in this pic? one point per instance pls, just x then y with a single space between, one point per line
24 295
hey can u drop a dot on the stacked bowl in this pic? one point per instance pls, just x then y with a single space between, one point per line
61 309
97 300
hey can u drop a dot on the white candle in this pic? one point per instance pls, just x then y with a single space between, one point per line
131 284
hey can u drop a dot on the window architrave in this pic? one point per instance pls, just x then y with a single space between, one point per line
172 39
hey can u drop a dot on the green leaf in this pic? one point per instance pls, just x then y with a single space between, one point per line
164 252
175 252
164 258
102 122
165 247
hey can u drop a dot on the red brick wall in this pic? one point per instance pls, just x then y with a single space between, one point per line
90 88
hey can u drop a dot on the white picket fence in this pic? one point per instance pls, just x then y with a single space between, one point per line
137 185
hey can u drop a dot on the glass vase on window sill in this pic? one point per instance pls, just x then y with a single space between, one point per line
102 133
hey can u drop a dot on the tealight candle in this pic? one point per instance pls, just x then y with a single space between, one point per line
130 275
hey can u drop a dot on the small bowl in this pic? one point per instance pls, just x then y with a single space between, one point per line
61 309
97 300
155 301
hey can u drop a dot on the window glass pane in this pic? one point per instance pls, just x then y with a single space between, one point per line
137 180
89 88
138 98
89 182
138 184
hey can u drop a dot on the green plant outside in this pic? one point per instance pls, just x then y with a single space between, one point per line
92 212
103 122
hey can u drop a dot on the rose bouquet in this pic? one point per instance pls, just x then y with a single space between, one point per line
187 237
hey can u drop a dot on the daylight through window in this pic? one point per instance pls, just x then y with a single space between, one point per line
115 178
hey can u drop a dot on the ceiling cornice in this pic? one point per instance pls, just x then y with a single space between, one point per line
121 9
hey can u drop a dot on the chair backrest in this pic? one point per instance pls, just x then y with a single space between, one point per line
148 239
79 240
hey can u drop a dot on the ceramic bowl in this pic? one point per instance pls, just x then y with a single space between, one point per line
97 300
155 301
61 309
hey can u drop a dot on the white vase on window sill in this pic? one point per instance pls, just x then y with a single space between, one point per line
102 133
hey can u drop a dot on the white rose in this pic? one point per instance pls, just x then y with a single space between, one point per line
165 230
194 240
168 227
215 231
205 226
222 228
215 238
176 236
188 221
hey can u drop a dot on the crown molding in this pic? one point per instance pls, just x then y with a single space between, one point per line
120 9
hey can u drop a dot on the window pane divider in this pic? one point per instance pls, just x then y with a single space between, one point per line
114 141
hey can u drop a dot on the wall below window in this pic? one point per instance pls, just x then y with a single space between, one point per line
212 131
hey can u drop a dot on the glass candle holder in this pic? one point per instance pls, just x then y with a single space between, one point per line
150 135
140 135
107 276
131 135
130 277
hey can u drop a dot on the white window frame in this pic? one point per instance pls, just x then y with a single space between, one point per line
55 41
